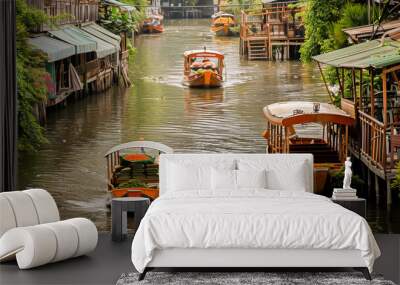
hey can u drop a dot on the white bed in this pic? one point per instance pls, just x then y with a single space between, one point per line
201 220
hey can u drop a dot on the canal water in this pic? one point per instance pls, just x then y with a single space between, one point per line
158 108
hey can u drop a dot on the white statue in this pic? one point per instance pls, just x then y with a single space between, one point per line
347 174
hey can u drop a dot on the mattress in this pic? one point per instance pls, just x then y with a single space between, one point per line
250 219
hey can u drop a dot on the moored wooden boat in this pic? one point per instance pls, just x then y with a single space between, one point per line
132 169
223 24
309 127
153 24
203 68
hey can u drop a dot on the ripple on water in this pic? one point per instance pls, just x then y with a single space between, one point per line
157 107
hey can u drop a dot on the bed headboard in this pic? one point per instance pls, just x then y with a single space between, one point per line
212 158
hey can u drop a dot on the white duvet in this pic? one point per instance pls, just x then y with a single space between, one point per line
250 219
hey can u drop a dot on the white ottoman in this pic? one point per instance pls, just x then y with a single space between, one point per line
31 232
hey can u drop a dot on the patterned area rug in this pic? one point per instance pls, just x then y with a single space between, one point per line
243 278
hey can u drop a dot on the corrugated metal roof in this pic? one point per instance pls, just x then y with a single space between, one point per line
364 55
104 31
103 34
366 31
55 49
122 6
82 43
103 48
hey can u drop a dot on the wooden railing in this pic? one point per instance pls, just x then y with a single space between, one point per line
113 162
394 144
373 140
276 139
66 12
269 22
337 139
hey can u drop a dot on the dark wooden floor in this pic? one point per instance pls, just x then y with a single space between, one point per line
110 260
103 266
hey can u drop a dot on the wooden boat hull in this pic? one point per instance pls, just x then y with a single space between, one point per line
153 29
223 31
207 79
135 192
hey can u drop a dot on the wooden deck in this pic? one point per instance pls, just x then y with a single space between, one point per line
271 33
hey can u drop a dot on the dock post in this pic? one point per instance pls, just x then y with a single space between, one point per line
377 189
388 193
369 182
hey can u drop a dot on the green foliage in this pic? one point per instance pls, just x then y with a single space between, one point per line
238 5
137 3
132 183
324 22
319 17
31 78
352 15
132 50
117 22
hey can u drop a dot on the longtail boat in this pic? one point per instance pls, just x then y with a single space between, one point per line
203 68
132 169
153 24
309 127
223 24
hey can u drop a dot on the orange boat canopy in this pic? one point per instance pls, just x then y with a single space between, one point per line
300 112
204 53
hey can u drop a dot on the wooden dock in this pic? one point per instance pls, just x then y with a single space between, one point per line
372 98
274 32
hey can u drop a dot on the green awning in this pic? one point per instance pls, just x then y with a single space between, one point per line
103 34
369 54
71 35
103 48
55 49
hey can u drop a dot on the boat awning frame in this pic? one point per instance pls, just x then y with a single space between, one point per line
204 53
218 15
140 144
282 114
55 49
374 54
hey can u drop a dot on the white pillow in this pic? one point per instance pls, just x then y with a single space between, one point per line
188 177
281 174
291 179
251 178
223 179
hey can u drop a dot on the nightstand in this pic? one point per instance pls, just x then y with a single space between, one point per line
119 208
357 205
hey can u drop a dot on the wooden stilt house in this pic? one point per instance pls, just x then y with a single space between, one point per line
369 89
64 78
274 32
65 12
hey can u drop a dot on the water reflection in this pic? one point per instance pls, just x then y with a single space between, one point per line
157 107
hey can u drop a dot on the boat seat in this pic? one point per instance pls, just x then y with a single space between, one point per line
31 231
